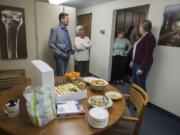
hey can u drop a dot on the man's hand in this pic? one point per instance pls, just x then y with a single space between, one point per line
65 55
139 72
72 52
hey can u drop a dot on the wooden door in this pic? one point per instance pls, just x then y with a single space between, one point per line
85 20
128 19
120 21
136 19
130 16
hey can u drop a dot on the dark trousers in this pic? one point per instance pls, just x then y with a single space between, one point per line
61 65
129 69
82 67
140 79
119 67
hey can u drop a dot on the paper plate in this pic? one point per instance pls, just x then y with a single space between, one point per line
100 101
113 95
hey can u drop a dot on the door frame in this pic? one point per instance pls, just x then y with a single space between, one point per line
113 35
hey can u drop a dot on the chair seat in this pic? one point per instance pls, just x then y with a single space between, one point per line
121 127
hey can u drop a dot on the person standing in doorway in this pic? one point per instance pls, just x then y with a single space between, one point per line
82 49
132 36
143 54
60 44
121 48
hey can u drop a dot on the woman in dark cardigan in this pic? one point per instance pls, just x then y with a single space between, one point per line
143 54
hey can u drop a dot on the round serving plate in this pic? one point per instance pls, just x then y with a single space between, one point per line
107 101
113 95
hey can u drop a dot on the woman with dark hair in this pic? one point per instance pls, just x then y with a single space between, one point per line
143 54
132 36
121 48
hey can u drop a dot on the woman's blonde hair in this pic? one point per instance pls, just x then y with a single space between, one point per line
146 25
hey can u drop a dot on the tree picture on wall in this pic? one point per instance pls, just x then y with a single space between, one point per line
170 30
12 33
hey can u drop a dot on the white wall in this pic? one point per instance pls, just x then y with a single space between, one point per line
28 6
163 81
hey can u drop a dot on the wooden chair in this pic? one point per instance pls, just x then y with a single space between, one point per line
128 124
15 94
11 77
2 132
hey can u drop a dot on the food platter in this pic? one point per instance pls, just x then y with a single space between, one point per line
99 82
69 92
96 83
66 88
113 95
100 101
90 79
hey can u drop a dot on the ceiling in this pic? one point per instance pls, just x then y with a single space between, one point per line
82 3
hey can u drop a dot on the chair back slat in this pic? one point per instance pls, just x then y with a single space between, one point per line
12 74
11 77
138 97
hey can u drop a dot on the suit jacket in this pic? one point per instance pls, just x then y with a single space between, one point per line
57 43
144 51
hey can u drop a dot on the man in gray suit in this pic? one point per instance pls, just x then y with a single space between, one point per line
60 44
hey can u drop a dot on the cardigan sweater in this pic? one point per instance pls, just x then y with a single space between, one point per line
144 51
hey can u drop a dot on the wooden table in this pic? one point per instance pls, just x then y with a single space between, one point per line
21 125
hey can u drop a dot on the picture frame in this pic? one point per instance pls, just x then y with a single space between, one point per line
170 30
13 33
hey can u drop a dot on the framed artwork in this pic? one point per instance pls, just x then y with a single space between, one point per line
170 30
12 33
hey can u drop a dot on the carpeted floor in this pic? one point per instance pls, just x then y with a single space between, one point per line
155 122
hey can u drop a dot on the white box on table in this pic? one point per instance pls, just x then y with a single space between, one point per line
43 74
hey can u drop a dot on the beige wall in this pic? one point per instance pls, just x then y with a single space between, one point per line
45 21
28 6
39 20
72 18
163 81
